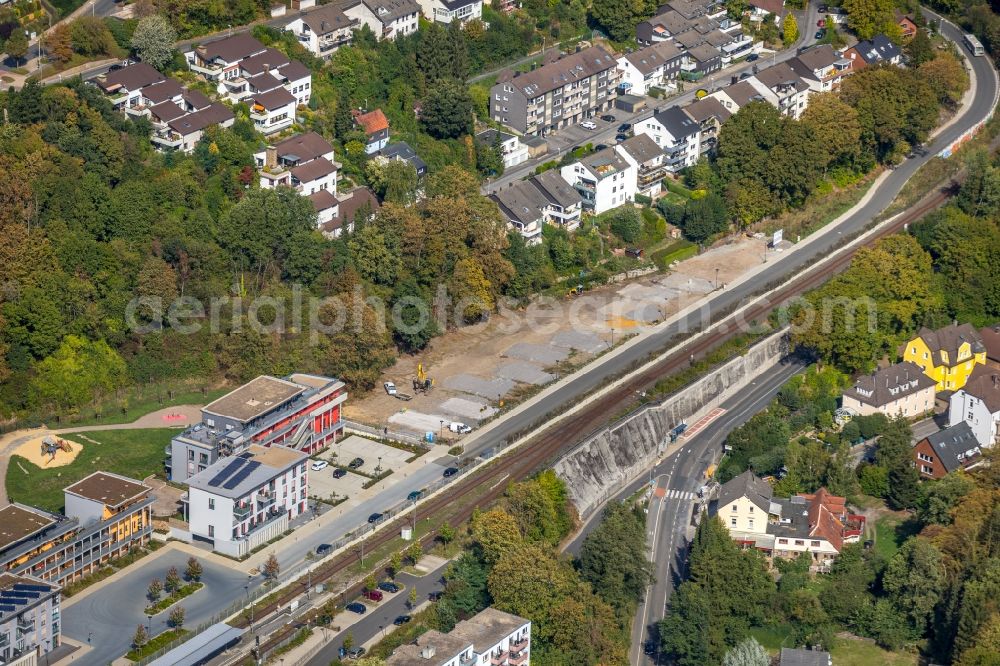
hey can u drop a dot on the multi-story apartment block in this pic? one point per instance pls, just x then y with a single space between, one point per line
242 501
446 11
30 624
107 515
388 19
305 163
947 355
642 152
557 94
605 180
323 30
709 113
899 390
653 66
676 133
789 89
978 404
490 637
821 67
301 412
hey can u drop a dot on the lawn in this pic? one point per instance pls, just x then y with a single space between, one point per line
861 653
133 453
772 637
891 531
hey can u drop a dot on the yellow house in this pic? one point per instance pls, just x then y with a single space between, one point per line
947 355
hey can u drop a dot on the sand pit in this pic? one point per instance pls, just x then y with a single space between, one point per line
32 451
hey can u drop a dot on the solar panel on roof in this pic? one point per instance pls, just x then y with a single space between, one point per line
246 456
20 594
225 473
7 609
31 587
242 474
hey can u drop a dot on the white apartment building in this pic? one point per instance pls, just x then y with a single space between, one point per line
30 622
676 133
788 88
242 501
511 149
323 30
388 19
491 637
605 180
642 152
446 11
656 65
822 68
978 404
305 163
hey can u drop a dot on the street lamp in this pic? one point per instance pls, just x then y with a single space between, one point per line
612 336
90 635
716 278
441 434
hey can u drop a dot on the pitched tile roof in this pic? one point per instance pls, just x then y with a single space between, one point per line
555 188
949 339
704 52
952 442
984 383
877 49
132 77
569 68
326 19
780 78
372 122
166 111
199 120
604 163
231 49
888 385
313 169
677 122
270 58
641 148
388 11
323 200
521 202
991 341
819 57
746 485
350 203
305 147
771 6
650 58
707 107
274 99
162 91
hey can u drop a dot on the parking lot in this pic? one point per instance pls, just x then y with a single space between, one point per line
322 484
370 451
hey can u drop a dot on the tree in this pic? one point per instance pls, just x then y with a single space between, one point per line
874 480
618 18
59 43
936 499
92 37
626 224
370 582
613 557
979 192
914 580
258 230
194 569
472 291
446 534
447 111
789 29
412 598
77 372
919 49
946 76
836 126
747 652
348 642
868 18
176 618
172 581
414 552
153 41
705 217
395 563
16 45
271 568
343 121
154 590
846 590
395 181
140 637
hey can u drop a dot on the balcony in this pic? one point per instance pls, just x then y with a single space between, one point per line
518 658
241 512
168 140
25 624
499 658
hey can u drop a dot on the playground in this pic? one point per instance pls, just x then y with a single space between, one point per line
48 451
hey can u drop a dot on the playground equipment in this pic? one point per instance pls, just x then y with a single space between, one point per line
422 383
50 445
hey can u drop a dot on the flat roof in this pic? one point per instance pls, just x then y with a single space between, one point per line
446 647
256 397
488 627
239 475
205 644
111 489
18 523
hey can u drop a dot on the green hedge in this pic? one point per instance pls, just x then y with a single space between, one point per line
678 251
675 187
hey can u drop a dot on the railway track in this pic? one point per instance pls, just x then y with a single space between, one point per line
549 443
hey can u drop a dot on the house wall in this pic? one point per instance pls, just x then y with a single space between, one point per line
85 510
742 515
951 374
927 462
985 425
910 406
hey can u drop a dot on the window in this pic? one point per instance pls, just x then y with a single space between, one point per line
191 455
783 541
750 523
733 508
926 469
814 544
733 522
211 530
751 509
211 504
203 458
800 542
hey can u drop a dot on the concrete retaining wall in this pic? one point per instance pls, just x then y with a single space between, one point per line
607 461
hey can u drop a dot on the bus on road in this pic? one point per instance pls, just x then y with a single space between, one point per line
974 45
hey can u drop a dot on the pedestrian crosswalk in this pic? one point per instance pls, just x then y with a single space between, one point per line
679 494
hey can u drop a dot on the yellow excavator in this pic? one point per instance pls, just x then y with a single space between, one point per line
422 383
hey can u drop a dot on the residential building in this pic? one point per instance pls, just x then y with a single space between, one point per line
821 67
30 622
489 637
446 11
676 133
388 19
734 97
323 30
106 516
242 501
701 60
642 152
565 202
557 94
524 207
878 50
183 132
947 355
946 451
803 657
767 10
124 86
358 204
786 86
605 180
978 404
991 342
901 389
653 66
301 412
818 524
376 128
511 149
404 153
709 113
304 162
907 26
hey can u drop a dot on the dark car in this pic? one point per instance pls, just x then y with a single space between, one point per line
323 549
650 647
357 607
624 127
822 9
820 33
355 653
375 517
745 75
450 472
389 586
414 496
373 595
621 137
339 473
401 620
599 147
435 596
752 57
356 463
608 118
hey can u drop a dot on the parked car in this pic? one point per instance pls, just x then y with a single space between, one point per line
319 464
374 518
821 23
588 124
390 388
435 596
752 57
745 75
460 428
323 549
357 607
450 472
355 653
624 127
356 463
373 595
822 9
649 647
414 496
621 137
389 586
599 147
339 473
401 620
608 118
820 34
